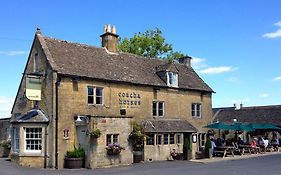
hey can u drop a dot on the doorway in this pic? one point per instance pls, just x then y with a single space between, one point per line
187 146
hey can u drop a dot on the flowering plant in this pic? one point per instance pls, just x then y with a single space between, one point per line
6 144
114 149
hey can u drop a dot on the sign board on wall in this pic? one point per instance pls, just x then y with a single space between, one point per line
129 99
33 87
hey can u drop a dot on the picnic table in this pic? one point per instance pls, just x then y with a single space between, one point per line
224 150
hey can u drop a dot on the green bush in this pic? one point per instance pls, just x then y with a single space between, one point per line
208 144
6 144
76 153
137 137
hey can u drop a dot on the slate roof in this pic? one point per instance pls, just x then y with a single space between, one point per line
92 62
32 116
255 114
167 125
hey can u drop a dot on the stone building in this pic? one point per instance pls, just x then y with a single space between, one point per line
5 134
69 89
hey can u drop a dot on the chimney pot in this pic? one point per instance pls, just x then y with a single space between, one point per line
185 60
109 38
241 105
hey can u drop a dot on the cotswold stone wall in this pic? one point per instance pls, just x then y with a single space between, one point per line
136 100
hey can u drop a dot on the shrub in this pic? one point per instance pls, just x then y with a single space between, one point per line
76 153
6 144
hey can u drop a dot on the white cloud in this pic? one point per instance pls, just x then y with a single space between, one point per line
198 63
264 95
275 34
6 104
13 53
278 24
217 70
277 78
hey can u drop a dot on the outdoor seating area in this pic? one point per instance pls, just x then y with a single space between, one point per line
241 139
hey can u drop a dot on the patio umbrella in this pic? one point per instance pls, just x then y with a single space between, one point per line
264 126
218 125
241 127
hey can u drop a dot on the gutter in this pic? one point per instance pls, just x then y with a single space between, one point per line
56 121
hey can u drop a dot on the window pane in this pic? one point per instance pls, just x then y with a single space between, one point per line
172 138
90 91
33 138
99 95
150 139
159 139
90 100
166 139
161 108
115 138
108 139
154 109
178 138
99 100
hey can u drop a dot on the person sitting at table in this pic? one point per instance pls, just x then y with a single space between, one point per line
255 149
219 142
261 144
275 144
240 141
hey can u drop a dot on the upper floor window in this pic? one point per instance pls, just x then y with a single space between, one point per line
95 95
196 110
158 109
172 79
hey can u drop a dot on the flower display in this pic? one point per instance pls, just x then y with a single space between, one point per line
114 149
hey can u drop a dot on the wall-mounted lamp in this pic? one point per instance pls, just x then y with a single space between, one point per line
194 138
81 120
234 120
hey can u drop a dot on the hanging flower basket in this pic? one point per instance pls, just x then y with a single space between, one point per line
95 133
114 149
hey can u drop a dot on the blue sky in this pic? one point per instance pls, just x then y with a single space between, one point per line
235 45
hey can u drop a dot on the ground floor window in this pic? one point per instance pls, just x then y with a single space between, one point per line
112 139
164 139
150 139
16 139
202 139
33 139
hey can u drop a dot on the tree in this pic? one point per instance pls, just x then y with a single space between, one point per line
151 43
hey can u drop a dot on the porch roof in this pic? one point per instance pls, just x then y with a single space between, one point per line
32 116
167 125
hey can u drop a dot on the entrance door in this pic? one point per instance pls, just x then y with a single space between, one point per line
187 146
81 136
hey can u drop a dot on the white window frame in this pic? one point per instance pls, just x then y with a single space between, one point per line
157 108
196 112
157 139
16 139
112 138
94 96
35 139
172 79
178 139
202 139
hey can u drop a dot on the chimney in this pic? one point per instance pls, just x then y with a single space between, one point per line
241 105
109 38
234 106
186 61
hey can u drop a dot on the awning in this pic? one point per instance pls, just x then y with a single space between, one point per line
167 125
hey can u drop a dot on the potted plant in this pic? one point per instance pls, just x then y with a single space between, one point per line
74 159
6 144
114 149
208 148
136 138
96 133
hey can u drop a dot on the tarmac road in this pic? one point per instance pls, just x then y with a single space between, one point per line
265 165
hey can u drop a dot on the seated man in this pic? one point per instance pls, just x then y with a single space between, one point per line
240 141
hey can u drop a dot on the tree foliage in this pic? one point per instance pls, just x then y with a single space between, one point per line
151 43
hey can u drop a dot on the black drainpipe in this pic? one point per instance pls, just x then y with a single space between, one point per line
45 146
57 122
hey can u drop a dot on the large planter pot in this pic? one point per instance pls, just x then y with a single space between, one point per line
6 152
73 163
138 156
